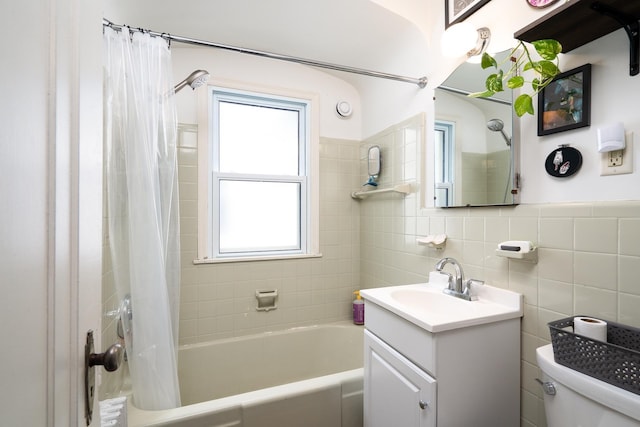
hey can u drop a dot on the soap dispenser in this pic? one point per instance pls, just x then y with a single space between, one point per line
358 309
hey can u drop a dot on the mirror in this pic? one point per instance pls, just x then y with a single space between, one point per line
476 142
374 162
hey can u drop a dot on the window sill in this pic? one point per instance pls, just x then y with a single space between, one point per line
249 259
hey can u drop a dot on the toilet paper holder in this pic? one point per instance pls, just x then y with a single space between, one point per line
267 300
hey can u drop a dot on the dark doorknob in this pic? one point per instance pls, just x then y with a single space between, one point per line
110 359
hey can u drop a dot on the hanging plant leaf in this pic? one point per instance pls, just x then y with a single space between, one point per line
548 49
520 61
494 82
546 69
523 104
535 84
488 61
515 82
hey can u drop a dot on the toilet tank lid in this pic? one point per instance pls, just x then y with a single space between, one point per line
613 397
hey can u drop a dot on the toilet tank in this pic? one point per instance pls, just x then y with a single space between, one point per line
581 400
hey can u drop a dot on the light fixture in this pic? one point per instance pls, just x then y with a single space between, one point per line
462 39
611 138
344 109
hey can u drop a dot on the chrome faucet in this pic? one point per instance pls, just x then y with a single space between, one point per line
455 284
458 287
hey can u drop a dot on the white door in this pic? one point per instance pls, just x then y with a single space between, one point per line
50 220
396 392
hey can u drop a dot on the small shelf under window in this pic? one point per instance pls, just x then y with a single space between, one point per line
401 188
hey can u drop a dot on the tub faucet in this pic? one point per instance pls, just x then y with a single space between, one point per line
458 287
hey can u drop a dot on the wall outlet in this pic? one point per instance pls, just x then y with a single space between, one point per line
619 161
615 158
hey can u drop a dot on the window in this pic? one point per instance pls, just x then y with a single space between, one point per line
444 153
261 164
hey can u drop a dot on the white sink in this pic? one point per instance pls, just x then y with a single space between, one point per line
426 306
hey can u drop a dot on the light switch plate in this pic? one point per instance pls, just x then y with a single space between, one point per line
611 166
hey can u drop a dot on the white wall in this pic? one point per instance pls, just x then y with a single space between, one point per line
23 219
231 66
387 102
612 100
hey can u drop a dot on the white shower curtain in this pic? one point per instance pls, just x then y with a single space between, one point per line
142 199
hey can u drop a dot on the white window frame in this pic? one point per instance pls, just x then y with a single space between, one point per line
448 129
208 177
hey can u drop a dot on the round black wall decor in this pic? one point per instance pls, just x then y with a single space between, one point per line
563 162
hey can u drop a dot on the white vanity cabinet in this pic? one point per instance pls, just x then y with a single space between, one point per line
465 376
398 393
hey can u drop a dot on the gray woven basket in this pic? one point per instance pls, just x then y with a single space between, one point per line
616 361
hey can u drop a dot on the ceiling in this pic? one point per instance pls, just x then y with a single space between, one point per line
356 33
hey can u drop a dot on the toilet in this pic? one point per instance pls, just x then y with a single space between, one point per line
573 399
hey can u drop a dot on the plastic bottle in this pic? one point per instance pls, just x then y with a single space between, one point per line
358 309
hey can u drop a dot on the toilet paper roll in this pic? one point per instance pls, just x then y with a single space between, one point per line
589 327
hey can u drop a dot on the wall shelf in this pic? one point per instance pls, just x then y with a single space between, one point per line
531 256
401 188
436 241
579 22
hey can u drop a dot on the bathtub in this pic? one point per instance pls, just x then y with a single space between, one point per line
308 376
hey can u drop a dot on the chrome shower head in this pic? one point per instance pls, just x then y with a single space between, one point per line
195 79
497 125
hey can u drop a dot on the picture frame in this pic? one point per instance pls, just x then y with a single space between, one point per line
565 103
458 10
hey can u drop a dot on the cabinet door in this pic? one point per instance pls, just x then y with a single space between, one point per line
396 392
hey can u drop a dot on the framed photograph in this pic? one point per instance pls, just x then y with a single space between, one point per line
565 103
458 10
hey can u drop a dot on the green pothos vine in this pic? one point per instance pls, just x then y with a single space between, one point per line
520 61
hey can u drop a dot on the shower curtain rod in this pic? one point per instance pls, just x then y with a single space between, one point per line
421 82
467 93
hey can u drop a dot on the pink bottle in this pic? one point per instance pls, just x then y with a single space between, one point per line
358 309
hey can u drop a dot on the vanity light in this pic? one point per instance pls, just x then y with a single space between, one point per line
462 39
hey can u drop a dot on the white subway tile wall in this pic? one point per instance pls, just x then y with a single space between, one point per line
218 300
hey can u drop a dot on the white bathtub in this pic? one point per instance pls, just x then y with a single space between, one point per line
308 376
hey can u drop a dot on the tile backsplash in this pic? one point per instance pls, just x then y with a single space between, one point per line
588 263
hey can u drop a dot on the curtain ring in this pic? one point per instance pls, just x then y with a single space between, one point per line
130 30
